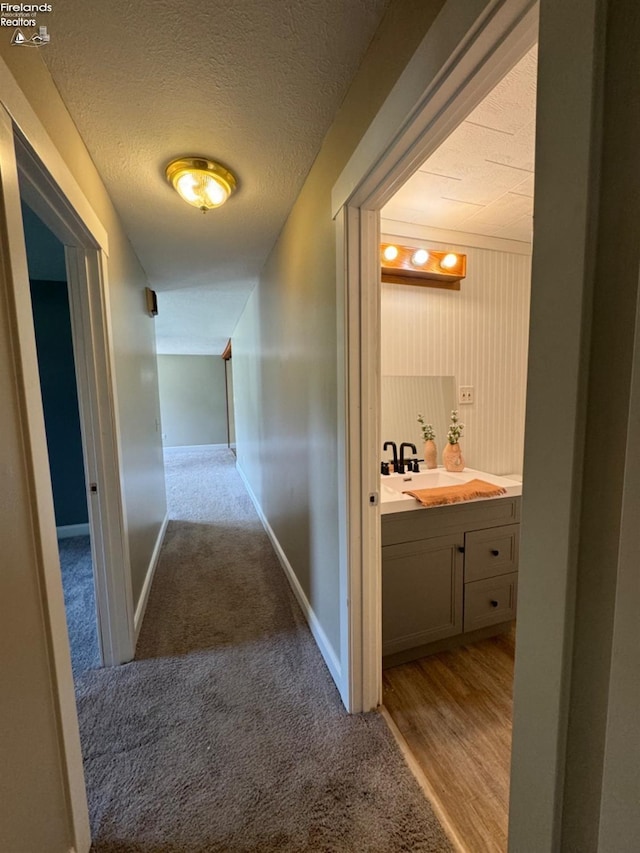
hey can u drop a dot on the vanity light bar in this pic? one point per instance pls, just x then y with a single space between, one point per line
415 265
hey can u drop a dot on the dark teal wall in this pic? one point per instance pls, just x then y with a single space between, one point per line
45 253
52 321
60 400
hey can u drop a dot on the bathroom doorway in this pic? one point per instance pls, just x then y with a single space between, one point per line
561 689
444 341
456 348
368 182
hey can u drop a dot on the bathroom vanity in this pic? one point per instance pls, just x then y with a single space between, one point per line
449 573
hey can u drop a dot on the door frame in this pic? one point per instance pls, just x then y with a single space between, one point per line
86 264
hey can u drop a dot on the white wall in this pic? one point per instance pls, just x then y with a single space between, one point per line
478 334
193 402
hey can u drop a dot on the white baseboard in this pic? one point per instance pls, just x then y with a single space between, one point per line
69 530
146 586
322 641
193 446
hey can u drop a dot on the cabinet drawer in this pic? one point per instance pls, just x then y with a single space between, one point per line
491 601
491 552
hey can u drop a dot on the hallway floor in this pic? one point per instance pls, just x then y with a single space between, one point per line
227 733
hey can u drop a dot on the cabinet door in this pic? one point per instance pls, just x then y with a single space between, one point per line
421 592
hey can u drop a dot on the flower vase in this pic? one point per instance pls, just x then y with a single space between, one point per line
452 457
430 454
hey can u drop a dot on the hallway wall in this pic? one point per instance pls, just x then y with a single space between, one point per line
284 346
193 400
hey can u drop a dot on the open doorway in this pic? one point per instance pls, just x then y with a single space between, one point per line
85 265
450 572
57 372
366 186
228 378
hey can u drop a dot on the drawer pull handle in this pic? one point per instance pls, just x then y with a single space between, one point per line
494 603
495 552
461 549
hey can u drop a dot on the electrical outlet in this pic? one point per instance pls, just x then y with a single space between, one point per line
465 394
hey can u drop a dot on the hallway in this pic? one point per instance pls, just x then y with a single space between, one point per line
226 733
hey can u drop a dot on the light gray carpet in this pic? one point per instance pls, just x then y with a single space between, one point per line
227 733
79 602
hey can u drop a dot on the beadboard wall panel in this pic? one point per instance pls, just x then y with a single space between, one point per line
478 334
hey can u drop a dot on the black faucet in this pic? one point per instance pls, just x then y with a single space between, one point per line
392 444
402 447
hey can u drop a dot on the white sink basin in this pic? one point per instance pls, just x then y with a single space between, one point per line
392 487
423 480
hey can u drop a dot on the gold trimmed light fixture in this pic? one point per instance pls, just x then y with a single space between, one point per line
202 183
413 265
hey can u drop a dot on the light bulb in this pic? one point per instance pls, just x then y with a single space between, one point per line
420 258
449 261
187 185
390 253
215 193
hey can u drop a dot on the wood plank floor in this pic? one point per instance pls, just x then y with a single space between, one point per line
454 709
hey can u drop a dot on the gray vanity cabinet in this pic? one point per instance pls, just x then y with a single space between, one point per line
447 572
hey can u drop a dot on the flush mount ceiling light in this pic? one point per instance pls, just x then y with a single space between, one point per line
412 265
202 183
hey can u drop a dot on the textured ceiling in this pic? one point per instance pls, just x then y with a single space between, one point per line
481 179
252 83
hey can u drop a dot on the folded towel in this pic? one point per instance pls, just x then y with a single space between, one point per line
455 494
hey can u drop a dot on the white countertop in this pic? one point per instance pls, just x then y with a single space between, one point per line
392 486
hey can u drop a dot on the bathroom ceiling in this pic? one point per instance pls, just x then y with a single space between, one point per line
253 84
480 180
